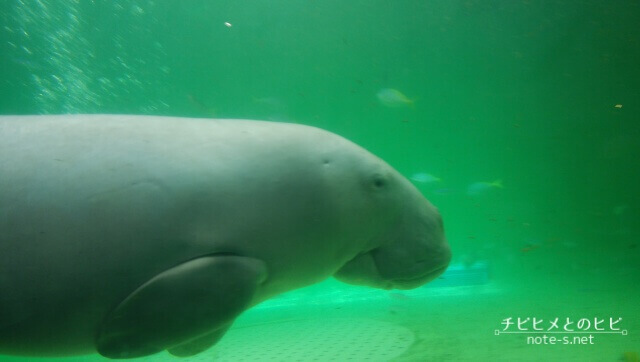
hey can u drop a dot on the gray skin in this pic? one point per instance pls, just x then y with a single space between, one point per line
129 235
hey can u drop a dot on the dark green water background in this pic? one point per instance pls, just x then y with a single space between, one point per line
522 91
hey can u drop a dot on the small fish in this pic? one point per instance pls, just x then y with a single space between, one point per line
478 188
393 98
529 247
424 178
204 109
444 191
271 102
618 106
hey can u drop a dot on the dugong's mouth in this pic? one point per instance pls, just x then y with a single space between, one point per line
414 282
362 270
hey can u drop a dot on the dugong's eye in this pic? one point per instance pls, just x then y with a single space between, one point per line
379 182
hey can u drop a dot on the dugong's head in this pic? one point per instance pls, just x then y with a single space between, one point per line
409 247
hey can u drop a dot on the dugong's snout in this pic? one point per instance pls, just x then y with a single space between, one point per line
420 254
414 252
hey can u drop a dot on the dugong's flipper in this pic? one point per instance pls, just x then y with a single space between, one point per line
188 307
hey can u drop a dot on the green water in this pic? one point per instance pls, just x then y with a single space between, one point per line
543 95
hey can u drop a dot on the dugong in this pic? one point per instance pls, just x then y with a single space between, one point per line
130 235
